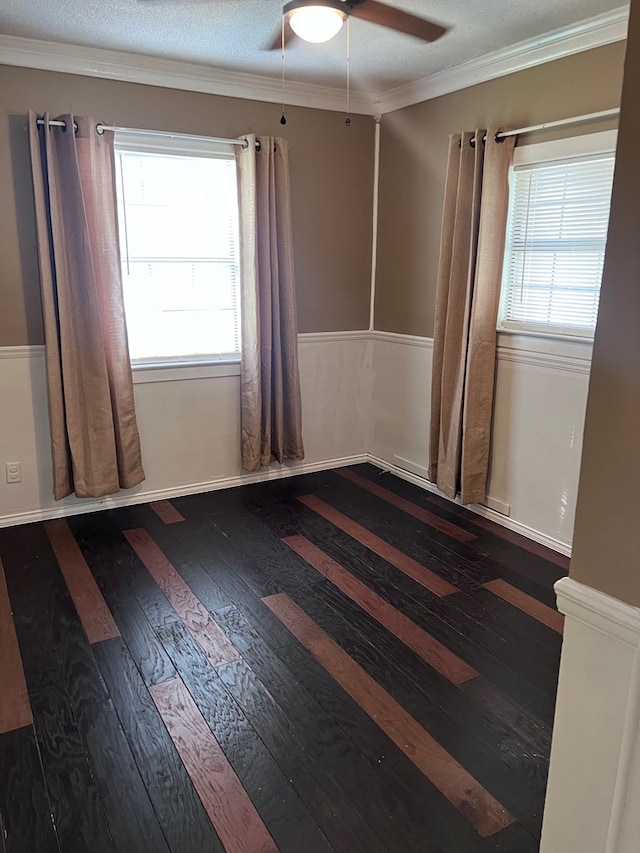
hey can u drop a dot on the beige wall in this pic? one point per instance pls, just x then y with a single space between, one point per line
606 552
331 174
413 166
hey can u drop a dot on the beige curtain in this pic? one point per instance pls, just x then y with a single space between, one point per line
467 297
94 438
271 419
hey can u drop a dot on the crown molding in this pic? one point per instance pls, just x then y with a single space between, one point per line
172 74
585 35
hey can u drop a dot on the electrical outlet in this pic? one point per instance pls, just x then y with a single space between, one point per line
14 472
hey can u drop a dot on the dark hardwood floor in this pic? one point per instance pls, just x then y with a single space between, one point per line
334 662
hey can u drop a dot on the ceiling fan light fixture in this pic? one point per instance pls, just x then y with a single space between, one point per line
316 21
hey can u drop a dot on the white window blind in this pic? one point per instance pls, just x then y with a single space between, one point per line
178 222
556 240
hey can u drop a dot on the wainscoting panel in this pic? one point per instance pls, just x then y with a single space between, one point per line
401 400
336 379
365 395
541 392
189 428
540 403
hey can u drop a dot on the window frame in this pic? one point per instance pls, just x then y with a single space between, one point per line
162 369
571 148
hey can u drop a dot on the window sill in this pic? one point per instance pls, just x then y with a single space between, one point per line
552 336
549 342
144 374
545 350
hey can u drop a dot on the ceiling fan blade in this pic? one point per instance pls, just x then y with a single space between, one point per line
396 19
276 42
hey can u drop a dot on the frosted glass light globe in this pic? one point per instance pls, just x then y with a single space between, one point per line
316 23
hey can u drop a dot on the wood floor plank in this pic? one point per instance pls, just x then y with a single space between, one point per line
460 563
492 631
25 811
232 813
154 603
539 669
507 548
48 629
166 512
259 573
331 739
132 820
527 728
109 558
64 681
549 617
499 761
15 709
333 788
195 616
464 515
325 767
514 626
205 547
477 805
388 552
410 799
252 542
180 812
94 614
429 649
430 518
267 782
76 805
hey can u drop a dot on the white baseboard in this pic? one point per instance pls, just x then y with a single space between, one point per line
497 506
417 479
594 778
274 472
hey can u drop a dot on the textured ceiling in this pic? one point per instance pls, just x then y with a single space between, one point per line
232 34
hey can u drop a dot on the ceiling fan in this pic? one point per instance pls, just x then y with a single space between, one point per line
321 20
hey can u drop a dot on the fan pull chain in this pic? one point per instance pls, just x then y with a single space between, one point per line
347 120
283 118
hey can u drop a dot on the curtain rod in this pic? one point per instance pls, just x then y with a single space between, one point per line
520 131
100 128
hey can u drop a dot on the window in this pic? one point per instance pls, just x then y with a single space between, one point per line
560 194
178 224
